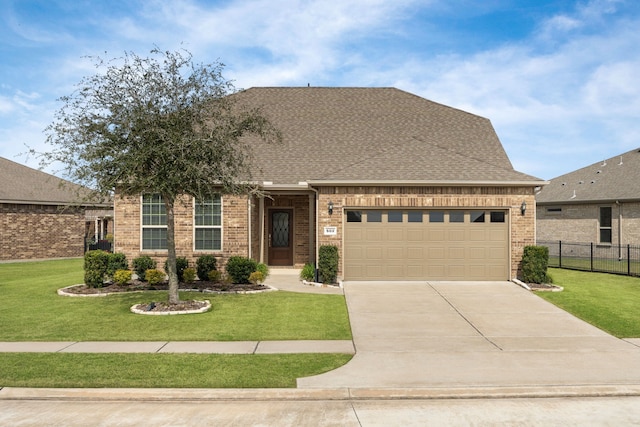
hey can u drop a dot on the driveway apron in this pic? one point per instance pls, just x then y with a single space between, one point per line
472 334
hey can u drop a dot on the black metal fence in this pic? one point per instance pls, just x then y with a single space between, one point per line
104 245
617 259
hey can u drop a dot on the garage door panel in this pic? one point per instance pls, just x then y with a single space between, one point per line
426 250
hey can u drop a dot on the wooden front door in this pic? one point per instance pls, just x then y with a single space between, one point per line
280 237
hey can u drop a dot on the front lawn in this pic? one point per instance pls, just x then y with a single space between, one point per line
31 310
610 302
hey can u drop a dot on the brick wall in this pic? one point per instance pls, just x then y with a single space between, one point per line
580 223
38 231
127 220
510 198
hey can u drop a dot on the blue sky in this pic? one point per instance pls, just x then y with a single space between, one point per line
558 79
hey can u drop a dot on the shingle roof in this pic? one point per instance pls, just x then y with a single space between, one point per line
375 134
617 178
21 184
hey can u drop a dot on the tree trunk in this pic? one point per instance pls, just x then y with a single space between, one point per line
172 272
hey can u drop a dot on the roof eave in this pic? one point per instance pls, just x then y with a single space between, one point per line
430 183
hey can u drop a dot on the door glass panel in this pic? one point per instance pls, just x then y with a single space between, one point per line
354 216
477 216
415 216
456 216
497 216
394 216
374 216
280 226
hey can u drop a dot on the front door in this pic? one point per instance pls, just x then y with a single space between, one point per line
280 237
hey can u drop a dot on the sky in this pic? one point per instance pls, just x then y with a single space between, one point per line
559 79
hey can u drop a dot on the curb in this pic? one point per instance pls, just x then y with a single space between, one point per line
345 394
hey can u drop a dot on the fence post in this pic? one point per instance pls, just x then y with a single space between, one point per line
628 259
591 256
560 253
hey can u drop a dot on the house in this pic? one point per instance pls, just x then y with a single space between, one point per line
597 204
406 188
40 217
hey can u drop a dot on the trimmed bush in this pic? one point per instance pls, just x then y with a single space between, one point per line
262 268
535 261
95 267
328 263
256 277
116 261
154 277
240 268
204 265
122 277
215 276
181 264
308 273
142 264
189 275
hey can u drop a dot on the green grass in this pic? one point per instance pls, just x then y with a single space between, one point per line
610 302
30 310
162 370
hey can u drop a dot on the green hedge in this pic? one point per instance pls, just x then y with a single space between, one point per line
535 261
328 263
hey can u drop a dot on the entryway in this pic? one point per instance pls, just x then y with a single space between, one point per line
280 238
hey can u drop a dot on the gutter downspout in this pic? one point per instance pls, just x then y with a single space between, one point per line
317 221
619 229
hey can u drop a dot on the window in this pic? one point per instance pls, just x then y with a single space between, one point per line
374 216
154 223
436 216
477 216
605 224
414 216
208 225
456 216
394 216
354 216
496 216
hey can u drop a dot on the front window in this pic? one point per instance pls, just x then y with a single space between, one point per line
208 224
154 223
605 224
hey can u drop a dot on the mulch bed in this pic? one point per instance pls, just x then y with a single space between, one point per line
199 286
544 287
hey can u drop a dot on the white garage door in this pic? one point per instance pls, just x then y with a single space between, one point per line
426 245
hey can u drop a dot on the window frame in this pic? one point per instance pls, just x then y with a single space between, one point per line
144 226
209 227
605 228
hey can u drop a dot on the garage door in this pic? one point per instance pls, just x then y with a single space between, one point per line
426 245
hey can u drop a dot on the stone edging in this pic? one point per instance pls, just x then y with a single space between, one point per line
64 293
321 285
204 309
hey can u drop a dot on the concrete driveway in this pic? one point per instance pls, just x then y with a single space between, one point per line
472 334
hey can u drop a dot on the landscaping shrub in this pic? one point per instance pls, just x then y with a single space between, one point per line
308 273
256 277
122 277
535 261
204 265
95 267
142 264
262 268
181 264
154 277
240 268
115 262
214 276
189 275
328 263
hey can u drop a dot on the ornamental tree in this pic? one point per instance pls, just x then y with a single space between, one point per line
159 124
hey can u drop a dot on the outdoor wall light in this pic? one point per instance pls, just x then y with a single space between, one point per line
523 207
330 208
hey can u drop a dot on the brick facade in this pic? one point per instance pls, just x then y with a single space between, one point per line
29 231
244 221
580 222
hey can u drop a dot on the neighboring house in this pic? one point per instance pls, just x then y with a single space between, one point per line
598 204
406 188
40 217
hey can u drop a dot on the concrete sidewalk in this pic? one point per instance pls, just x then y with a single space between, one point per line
219 347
